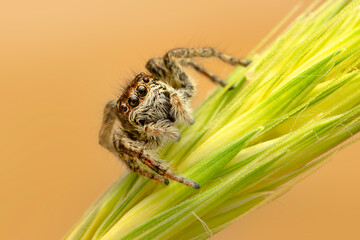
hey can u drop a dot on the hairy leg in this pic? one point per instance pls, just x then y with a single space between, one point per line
123 145
109 116
137 167
130 154
157 68
175 58
182 56
169 67
206 52
205 72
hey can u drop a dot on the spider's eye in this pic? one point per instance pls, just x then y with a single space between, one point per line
146 79
124 108
133 101
142 91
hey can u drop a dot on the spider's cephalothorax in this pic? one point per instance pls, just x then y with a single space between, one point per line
150 109
146 107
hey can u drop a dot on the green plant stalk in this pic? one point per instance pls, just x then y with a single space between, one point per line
298 99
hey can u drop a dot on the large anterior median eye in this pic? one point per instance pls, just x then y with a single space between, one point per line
142 91
133 101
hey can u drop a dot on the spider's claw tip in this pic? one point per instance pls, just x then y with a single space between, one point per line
231 87
166 181
196 185
248 62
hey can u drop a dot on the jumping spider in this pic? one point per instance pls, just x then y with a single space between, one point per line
151 107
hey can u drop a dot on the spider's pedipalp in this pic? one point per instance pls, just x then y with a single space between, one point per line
179 109
162 129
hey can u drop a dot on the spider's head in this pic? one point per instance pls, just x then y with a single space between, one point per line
134 94
145 100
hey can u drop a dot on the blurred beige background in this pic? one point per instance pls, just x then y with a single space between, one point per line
62 61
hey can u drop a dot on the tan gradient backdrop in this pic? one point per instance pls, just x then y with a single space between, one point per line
62 61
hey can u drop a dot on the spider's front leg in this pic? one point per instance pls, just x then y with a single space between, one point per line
107 140
125 146
109 118
139 168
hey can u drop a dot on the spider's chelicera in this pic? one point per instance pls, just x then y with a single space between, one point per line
150 109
